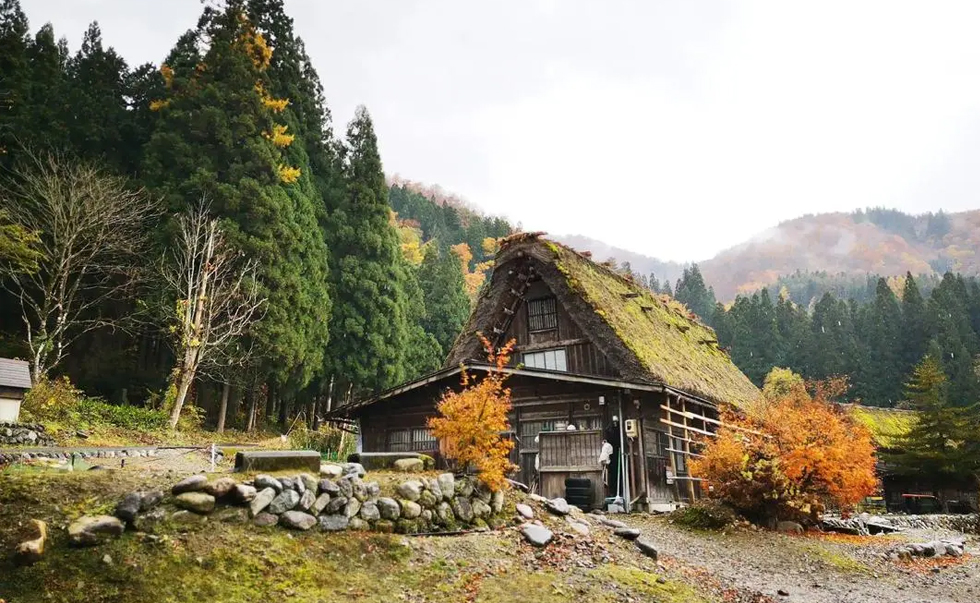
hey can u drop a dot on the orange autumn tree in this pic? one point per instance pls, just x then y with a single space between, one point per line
471 422
790 456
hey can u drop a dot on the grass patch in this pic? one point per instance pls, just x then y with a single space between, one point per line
838 560
704 515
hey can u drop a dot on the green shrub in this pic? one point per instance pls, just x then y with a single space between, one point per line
330 442
93 411
705 515
50 400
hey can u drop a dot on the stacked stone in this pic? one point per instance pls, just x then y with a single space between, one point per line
24 434
304 501
935 548
15 456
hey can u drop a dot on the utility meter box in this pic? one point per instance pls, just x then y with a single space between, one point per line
630 426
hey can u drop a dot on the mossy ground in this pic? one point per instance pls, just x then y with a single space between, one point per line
233 562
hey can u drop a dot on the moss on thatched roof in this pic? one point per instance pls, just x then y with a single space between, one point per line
887 425
653 337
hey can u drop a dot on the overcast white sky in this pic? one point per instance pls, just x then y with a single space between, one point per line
675 129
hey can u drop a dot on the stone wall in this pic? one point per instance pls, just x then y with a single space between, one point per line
328 502
24 434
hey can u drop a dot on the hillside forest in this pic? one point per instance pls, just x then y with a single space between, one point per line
197 229
334 280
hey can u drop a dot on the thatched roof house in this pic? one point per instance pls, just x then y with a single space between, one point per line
591 346
650 338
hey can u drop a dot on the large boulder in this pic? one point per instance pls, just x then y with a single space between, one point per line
333 523
261 501
409 465
285 501
309 481
297 520
536 535
360 492
789 527
354 469
244 493
221 487
524 511
463 509
373 489
447 485
194 483
352 508
464 488
558 506
410 490
481 509
267 481
369 511
91 530
433 486
31 551
388 508
129 507
647 548
627 533
410 510
198 502
345 488
328 487
320 503
265 520
429 500
306 500
335 505
150 499
444 513
331 471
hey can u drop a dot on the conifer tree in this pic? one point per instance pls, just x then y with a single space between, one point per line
447 306
934 445
880 375
220 137
692 291
14 77
369 325
915 327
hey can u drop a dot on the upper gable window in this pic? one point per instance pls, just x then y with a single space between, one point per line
542 314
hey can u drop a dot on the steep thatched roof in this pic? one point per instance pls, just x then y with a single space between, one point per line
647 337
887 425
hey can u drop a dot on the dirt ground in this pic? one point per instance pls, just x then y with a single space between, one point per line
229 561
818 568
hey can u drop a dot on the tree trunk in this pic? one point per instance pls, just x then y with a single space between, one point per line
223 409
330 395
314 421
183 385
270 401
283 412
251 398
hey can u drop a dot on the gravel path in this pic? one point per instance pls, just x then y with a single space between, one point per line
813 569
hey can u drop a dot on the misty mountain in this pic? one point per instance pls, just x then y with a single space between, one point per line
639 263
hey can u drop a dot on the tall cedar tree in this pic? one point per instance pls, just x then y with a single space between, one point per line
935 445
914 327
220 138
423 354
948 308
692 291
881 372
446 303
369 328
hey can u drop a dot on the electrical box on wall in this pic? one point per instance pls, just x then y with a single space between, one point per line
630 425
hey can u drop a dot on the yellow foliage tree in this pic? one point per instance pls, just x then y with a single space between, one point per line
474 278
471 422
792 457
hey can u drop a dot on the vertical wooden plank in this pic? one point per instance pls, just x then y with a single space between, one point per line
687 450
670 455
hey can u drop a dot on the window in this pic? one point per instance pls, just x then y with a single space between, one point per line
411 440
542 314
553 360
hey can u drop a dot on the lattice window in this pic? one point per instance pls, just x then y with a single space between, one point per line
542 314
417 439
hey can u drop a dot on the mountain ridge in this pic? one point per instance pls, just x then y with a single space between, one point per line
880 241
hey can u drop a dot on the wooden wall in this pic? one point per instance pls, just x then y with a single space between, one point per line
581 354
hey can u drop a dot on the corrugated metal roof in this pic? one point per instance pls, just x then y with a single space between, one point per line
14 373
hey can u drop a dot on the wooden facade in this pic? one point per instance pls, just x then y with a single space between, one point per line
573 368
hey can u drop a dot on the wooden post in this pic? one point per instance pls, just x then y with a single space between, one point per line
687 450
670 455
642 464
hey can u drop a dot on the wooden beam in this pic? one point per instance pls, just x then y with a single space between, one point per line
687 447
547 345
694 429
686 453
690 415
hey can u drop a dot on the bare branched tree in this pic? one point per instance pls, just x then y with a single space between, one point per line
217 300
91 241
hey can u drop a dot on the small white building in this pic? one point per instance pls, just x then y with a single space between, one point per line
15 380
